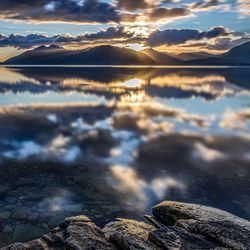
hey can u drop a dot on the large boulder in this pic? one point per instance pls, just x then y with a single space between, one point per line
212 226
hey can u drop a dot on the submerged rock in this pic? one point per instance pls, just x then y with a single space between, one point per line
173 226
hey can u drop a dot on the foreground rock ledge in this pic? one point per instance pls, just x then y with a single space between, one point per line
173 225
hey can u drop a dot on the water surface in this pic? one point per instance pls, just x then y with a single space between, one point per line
113 141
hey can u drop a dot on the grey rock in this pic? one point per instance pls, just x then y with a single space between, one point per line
129 234
75 233
174 226
220 228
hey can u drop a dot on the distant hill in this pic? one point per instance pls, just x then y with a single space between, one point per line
111 55
193 56
100 55
239 55
161 58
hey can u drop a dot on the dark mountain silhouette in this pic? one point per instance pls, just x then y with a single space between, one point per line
111 55
101 55
161 58
193 56
239 55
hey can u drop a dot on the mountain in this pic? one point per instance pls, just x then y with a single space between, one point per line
111 55
100 55
161 58
193 56
239 55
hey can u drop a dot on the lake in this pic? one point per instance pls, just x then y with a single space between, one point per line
112 142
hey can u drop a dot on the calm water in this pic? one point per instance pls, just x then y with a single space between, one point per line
110 142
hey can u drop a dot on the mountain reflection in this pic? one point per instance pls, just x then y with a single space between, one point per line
111 142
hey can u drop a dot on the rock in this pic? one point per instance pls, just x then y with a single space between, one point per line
4 239
8 229
72 208
4 215
174 226
73 234
56 220
113 209
22 213
129 234
25 232
83 234
174 238
220 228
11 200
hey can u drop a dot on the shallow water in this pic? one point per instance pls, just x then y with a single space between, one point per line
113 142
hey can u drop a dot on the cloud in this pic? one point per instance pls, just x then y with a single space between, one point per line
226 43
110 33
244 7
206 154
26 41
31 40
205 4
181 36
132 5
163 13
88 11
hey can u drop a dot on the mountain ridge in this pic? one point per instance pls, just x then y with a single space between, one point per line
112 55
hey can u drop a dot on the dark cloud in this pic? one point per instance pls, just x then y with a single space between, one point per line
132 5
20 41
174 36
162 13
205 4
111 33
88 11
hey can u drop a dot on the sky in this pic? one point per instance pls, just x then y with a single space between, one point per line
173 26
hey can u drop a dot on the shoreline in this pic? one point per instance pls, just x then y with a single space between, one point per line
173 225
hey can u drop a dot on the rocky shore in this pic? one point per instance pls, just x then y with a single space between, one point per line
173 225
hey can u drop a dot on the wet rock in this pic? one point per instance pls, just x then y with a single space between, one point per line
11 200
56 220
25 232
8 229
73 208
22 213
4 215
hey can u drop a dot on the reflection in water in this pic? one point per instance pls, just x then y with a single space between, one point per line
110 142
